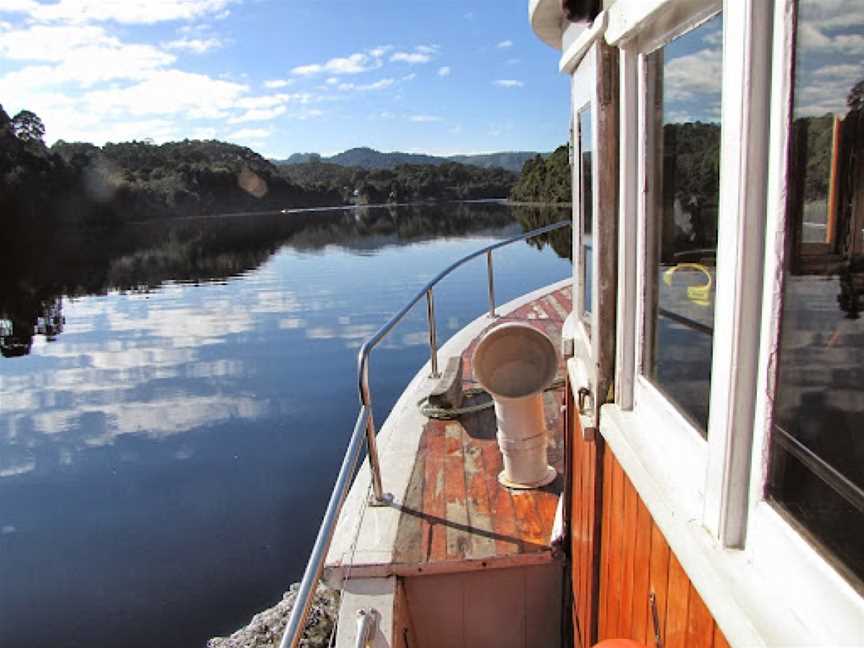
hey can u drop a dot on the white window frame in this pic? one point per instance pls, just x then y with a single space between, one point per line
829 602
764 583
584 76
686 452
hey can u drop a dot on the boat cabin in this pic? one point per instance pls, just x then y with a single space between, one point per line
707 424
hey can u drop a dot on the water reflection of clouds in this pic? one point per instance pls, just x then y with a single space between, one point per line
692 73
829 59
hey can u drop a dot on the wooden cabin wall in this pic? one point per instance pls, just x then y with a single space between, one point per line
582 495
620 557
635 561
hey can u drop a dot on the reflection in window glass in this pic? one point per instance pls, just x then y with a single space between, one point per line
682 254
587 202
817 453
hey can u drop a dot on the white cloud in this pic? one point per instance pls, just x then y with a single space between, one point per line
194 45
125 11
380 51
425 119
508 83
258 114
84 55
505 44
353 64
427 49
275 84
171 92
250 134
444 71
409 77
363 87
411 58
693 75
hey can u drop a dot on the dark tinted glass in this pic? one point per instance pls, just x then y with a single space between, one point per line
684 216
587 202
817 453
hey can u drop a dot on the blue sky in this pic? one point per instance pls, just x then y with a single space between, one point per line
282 76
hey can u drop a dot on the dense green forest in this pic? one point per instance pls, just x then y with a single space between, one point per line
545 180
82 184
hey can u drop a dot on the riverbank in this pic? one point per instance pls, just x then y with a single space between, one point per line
266 628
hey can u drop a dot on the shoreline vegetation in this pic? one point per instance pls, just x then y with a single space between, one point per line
82 185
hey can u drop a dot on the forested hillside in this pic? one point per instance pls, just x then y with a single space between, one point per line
79 183
371 159
545 180
405 183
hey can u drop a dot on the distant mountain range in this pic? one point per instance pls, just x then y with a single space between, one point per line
368 158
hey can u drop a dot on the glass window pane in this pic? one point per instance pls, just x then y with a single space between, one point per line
683 243
586 147
817 453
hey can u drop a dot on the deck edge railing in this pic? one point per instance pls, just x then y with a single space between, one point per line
365 427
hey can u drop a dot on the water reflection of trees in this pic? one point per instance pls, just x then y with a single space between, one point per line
533 217
40 266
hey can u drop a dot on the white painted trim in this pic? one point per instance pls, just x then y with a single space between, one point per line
681 438
547 21
825 601
654 22
775 242
574 53
682 451
738 293
628 206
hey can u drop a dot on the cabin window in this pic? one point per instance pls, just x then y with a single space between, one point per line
817 446
681 244
586 202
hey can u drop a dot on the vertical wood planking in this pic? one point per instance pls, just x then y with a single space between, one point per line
605 546
719 639
629 554
641 574
676 606
636 561
658 580
700 624
616 538
584 541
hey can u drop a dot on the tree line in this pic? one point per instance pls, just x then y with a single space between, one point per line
75 183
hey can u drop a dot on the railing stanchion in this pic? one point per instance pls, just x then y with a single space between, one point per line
491 275
378 496
433 333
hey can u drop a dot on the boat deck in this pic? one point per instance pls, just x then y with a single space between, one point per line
452 509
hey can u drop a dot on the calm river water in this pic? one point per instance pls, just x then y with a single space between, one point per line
170 432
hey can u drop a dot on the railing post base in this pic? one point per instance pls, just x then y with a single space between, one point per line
386 499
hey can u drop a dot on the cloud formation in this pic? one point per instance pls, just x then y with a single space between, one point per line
129 12
508 83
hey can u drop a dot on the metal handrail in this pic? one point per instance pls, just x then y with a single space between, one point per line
365 426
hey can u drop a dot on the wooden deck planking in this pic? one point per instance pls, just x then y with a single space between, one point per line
455 509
